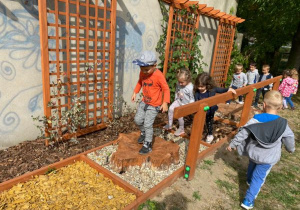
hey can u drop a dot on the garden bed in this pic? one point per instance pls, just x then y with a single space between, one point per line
73 186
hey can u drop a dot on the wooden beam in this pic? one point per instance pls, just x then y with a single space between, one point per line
168 41
221 98
201 6
206 9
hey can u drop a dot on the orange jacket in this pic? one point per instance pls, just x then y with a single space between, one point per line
155 87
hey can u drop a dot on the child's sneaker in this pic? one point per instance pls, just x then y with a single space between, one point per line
167 127
247 204
147 147
179 132
209 138
141 138
241 102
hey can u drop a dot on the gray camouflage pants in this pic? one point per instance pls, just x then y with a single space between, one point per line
144 118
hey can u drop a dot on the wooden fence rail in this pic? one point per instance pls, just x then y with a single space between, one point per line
198 108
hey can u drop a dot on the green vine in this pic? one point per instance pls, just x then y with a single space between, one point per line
185 54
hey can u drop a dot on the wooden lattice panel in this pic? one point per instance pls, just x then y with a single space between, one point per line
78 50
183 26
222 52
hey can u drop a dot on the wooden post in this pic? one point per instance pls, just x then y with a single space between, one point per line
168 42
112 56
216 49
247 105
45 58
196 136
277 83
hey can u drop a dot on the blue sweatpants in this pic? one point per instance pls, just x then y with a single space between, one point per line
256 176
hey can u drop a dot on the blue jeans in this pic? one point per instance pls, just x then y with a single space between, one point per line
289 100
256 176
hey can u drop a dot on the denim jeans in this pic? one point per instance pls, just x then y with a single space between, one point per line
289 100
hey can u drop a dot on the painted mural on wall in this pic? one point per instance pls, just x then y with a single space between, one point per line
20 69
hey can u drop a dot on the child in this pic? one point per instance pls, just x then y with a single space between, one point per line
294 74
183 95
264 76
252 74
284 75
261 139
239 80
205 88
287 88
156 96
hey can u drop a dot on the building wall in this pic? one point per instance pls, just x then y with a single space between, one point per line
21 95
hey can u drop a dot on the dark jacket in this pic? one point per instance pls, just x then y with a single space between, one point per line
269 76
211 93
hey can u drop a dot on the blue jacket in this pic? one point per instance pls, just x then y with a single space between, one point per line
211 93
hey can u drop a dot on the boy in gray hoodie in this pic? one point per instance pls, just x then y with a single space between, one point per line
261 139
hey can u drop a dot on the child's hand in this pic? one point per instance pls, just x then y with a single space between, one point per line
164 107
230 149
133 97
231 90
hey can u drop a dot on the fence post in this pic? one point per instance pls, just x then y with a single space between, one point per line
276 84
194 144
247 106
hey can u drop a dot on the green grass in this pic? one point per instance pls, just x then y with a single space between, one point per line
196 195
207 164
282 187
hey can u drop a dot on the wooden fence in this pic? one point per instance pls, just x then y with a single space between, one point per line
199 109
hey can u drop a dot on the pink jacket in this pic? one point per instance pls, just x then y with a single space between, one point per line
288 86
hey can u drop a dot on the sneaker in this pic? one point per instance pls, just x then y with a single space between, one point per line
241 102
292 108
209 138
147 147
167 127
179 132
247 204
141 138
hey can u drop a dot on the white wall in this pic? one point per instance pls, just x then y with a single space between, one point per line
138 29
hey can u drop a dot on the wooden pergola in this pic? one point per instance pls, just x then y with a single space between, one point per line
224 38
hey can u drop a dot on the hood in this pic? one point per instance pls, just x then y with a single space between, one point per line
266 134
289 80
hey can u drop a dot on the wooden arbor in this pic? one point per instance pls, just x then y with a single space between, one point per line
187 26
78 53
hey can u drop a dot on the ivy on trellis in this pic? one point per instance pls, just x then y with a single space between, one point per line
184 47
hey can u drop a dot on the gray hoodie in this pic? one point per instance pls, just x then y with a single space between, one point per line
184 94
261 141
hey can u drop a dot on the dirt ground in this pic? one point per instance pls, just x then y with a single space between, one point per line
219 181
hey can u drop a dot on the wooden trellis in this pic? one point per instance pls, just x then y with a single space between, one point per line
222 51
180 23
78 52
183 25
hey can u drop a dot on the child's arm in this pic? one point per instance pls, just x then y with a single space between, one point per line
224 90
241 136
136 89
288 139
271 85
245 80
166 92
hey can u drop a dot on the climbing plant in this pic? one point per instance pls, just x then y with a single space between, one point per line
185 47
